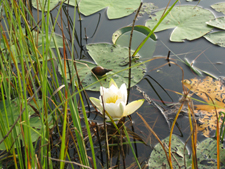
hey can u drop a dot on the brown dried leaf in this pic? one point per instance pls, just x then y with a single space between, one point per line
208 89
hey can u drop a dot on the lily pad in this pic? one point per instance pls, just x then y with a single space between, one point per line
115 9
15 109
217 22
216 38
52 5
122 37
108 56
207 154
188 22
58 39
219 7
158 157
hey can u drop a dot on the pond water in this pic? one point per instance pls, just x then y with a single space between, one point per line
210 58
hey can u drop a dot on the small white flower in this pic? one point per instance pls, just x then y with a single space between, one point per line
114 100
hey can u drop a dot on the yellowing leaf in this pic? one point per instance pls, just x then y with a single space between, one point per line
209 90
213 92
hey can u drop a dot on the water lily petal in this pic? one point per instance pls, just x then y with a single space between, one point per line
102 90
133 106
97 103
123 91
113 110
112 82
122 107
113 89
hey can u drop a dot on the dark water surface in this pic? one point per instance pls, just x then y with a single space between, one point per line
168 77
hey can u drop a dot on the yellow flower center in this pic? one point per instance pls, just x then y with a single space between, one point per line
112 99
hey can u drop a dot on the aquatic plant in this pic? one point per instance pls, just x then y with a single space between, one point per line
113 100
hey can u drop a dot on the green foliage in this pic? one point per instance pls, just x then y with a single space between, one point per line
206 154
186 21
216 38
14 108
122 37
158 157
219 7
217 22
110 57
53 3
115 9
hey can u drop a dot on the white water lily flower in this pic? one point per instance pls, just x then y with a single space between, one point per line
114 100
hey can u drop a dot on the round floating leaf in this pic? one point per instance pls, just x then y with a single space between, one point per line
57 44
139 28
216 38
71 2
53 4
116 8
217 22
219 7
110 57
14 107
122 37
58 40
207 154
158 157
188 21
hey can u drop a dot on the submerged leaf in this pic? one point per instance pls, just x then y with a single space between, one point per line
115 9
188 22
147 8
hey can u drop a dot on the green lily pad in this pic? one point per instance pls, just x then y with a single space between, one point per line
2 10
188 21
158 157
58 39
108 56
15 108
216 38
219 7
122 37
52 5
207 154
217 22
116 8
